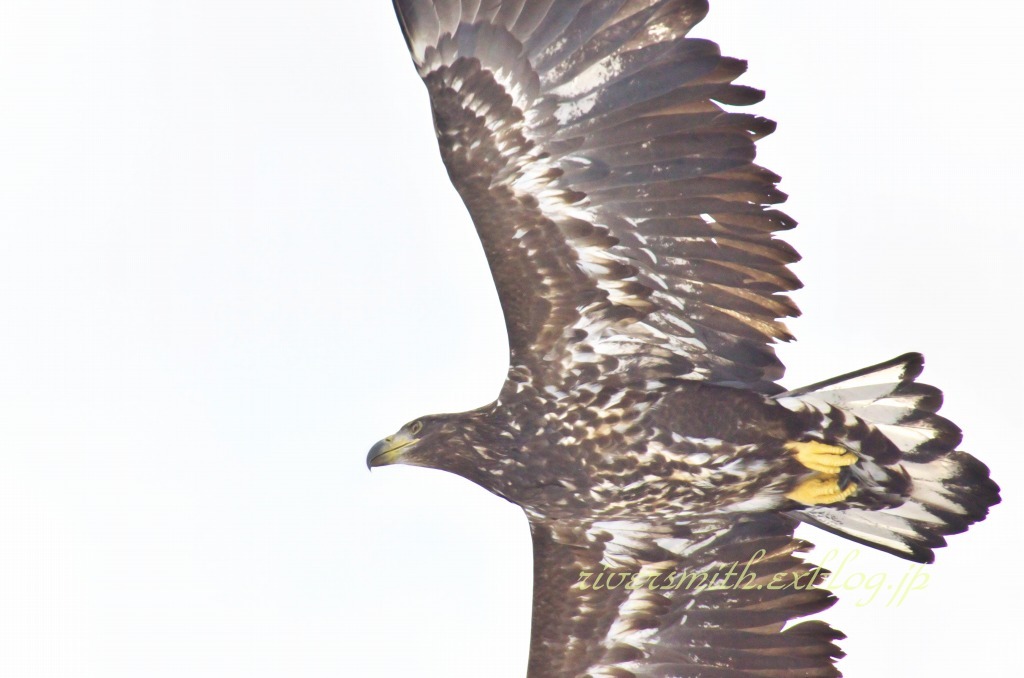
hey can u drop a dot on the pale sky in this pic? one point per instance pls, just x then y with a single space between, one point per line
231 260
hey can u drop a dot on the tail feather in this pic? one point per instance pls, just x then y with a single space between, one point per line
944 490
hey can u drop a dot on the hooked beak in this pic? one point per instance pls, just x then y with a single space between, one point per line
388 451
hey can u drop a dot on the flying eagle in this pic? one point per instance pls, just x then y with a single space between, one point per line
641 426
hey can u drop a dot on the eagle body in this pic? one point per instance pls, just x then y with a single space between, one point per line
655 449
641 427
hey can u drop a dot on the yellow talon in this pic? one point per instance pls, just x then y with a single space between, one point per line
821 488
821 457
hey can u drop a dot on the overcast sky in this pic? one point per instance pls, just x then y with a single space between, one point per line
230 261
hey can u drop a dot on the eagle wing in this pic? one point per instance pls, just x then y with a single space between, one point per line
665 603
627 229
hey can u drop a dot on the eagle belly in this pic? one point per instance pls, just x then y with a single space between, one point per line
657 451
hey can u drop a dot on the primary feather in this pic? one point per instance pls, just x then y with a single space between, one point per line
628 230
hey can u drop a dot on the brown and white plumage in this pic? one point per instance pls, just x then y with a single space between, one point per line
631 239
658 609
623 219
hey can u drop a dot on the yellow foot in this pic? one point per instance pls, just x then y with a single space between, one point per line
821 488
821 457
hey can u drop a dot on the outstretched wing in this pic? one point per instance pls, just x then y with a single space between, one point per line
665 603
626 226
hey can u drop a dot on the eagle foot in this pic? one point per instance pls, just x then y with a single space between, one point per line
821 457
821 488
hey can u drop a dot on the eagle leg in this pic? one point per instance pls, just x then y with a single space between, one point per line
821 488
821 457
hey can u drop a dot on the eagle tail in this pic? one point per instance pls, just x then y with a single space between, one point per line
942 490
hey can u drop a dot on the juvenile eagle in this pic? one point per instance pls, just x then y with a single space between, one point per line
641 427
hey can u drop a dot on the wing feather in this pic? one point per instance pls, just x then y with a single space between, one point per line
617 201
680 614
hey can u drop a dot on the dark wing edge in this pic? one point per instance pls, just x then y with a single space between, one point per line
628 231
653 612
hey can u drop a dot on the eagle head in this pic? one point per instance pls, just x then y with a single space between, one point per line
457 443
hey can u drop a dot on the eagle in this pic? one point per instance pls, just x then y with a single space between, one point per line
641 426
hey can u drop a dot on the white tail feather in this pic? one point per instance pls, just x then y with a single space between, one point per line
945 490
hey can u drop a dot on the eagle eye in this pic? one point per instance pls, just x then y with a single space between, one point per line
415 427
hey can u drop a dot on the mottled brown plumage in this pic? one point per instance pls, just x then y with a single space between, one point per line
631 240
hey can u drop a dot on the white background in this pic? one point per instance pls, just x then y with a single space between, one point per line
231 261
